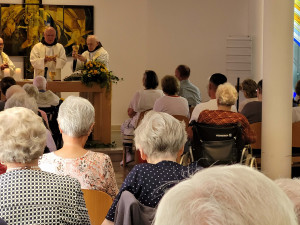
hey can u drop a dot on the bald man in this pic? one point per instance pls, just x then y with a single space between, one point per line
5 62
48 57
95 52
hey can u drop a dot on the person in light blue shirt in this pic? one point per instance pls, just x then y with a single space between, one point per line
187 89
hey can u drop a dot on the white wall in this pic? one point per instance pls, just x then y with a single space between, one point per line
159 35
194 33
256 29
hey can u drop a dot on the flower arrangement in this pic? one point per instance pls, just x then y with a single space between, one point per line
95 72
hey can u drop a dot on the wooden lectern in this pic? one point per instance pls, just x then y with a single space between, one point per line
101 102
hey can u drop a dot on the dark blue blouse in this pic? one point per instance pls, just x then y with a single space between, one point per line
148 182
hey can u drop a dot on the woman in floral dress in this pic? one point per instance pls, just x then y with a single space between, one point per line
94 170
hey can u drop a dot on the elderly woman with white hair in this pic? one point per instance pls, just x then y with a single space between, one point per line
226 97
227 195
292 189
160 138
27 194
33 92
23 100
76 118
45 98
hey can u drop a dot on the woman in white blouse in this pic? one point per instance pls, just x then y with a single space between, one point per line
171 103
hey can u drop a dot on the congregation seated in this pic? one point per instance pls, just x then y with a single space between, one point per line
76 118
29 195
20 99
171 103
249 87
160 138
292 189
226 96
214 81
253 110
6 83
227 195
45 98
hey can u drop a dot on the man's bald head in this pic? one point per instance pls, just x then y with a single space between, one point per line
92 42
49 35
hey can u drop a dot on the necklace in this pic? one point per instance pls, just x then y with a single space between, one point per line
24 168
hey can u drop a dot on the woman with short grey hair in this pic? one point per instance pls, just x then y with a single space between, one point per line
160 138
76 118
23 138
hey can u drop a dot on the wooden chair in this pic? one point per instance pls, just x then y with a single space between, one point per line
256 127
128 139
191 109
97 204
184 119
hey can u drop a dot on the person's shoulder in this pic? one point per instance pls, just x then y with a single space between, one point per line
60 179
59 45
183 99
47 157
206 105
102 50
97 156
142 167
37 45
161 98
252 104
193 85
4 54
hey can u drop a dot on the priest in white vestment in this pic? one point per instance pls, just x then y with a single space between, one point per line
48 57
95 52
5 62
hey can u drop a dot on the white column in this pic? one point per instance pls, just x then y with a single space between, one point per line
277 88
256 13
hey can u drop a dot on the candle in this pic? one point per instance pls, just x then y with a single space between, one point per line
18 74
6 72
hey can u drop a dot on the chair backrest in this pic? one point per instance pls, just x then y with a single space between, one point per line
296 135
186 121
216 144
256 127
141 117
98 204
182 118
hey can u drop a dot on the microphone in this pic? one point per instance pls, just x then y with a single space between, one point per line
45 72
